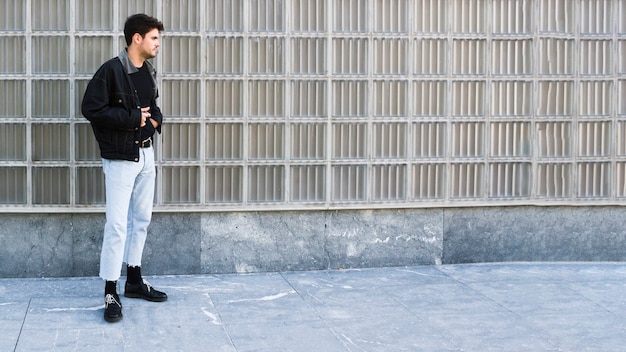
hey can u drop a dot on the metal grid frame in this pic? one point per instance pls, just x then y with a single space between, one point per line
329 104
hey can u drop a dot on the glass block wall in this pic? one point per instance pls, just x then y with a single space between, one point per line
324 104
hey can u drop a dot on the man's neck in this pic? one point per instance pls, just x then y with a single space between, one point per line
135 57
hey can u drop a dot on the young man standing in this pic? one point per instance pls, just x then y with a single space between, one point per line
120 103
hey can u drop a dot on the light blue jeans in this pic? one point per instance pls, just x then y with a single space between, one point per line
129 197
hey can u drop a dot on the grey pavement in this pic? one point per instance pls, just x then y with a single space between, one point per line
477 307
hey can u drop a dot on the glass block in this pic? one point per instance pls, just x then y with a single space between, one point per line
466 180
12 141
13 185
181 54
388 183
390 56
621 108
430 56
308 56
181 98
224 98
91 52
13 16
268 54
554 139
429 181
349 183
511 57
51 142
224 141
128 8
224 184
620 180
181 15
467 139
51 185
350 16
389 140
555 98
51 54
308 98
308 16
621 20
181 184
51 98
468 98
267 98
50 15
509 180
429 98
468 56
556 16
510 139
594 138
429 140
595 98
596 17
511 98
12 98
267 15
90 188
349 98
85 143
430 16
621 54
266 141
596 57
620 138
390 98
554 180
225 15
512 17
93 15
225 55
266 183
594 179
181 141
469 16
556 56
80 86
13 55
308 183
308 141
349 141
350 56
391 16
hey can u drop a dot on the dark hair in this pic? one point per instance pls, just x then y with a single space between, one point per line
142 24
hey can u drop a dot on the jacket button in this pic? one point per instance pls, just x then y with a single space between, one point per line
136 142
136 159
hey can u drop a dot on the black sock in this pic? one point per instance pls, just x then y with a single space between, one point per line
133 274
110 287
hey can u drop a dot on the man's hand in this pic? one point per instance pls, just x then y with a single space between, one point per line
145 114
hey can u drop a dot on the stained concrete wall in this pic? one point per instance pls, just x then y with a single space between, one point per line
49 245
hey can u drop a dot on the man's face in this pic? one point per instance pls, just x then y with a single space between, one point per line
149 44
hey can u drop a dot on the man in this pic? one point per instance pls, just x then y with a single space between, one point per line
120 103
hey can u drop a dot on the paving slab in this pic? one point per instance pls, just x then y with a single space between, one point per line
473 307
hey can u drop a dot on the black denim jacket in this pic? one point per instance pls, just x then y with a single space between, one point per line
111 104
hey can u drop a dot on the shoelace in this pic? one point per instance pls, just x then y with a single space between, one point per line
110 299
147 285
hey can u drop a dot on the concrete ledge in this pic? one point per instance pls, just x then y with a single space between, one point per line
56 245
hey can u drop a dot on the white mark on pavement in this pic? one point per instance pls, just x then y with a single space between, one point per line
213 317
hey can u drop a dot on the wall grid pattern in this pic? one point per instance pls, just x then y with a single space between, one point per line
328 104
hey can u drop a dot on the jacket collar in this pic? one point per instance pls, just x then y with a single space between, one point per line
129 66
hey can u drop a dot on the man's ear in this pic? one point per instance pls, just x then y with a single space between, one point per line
137 38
